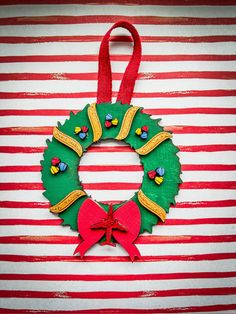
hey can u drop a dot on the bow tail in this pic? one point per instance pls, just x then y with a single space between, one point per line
131 249
83 247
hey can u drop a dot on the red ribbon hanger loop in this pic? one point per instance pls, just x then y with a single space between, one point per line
104 93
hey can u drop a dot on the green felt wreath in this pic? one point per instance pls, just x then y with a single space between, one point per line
164 155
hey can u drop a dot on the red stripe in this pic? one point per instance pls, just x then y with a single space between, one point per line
168 222
12 186
99 259
123 2
117 294
151 20
180 129
199 204
97 38
150 239
222 75
30 222
119 168
187 129
15 204
174 94
192 309
136 277
120 149
163 111
91 58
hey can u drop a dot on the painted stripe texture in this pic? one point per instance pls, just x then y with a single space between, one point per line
48 67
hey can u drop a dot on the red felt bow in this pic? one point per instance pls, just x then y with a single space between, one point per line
122 224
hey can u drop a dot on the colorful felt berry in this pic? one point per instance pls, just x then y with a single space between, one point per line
160 171
144 136
62 166
84 129
115 122
55 161
82 135
138 131
54 169
108 124
109 117
145 128
158 180
77 130
152 174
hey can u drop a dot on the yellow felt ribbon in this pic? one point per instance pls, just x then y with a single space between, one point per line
151 205
126 123
67 201
95 122
153 143
68 141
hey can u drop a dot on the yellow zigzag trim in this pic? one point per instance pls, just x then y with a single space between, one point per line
68 141
95 122
151 206
153 143
126 123
67 201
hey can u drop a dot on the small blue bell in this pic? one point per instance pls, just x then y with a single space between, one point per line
62 166
160 172
109 117
82 135
144 136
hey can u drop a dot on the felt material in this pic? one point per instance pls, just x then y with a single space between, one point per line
163 156
125 93
94 222
96 118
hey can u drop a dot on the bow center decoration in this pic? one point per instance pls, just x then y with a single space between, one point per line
122 224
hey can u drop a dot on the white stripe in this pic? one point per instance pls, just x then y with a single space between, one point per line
178 139
130 303
116 268
121 195
126 158
139 285
133 10
79 103
101 29
210 229
190 119
96 250
117 66
123 176
73 48
74 86
175 213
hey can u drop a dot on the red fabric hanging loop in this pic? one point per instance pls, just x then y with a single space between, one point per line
104 93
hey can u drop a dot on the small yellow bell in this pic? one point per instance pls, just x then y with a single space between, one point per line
54 169
77 130
114 122
159 180
138 131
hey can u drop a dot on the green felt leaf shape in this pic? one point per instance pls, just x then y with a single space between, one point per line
60 185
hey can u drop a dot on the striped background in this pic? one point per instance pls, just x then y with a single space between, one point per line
48 56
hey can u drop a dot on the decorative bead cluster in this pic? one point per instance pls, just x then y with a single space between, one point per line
81 131
57 165
142 132
157 175
110 121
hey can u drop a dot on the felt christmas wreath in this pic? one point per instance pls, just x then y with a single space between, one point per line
96 221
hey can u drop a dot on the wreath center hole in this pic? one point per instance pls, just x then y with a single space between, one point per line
110 171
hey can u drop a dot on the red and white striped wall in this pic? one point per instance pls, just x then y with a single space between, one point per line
48 67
